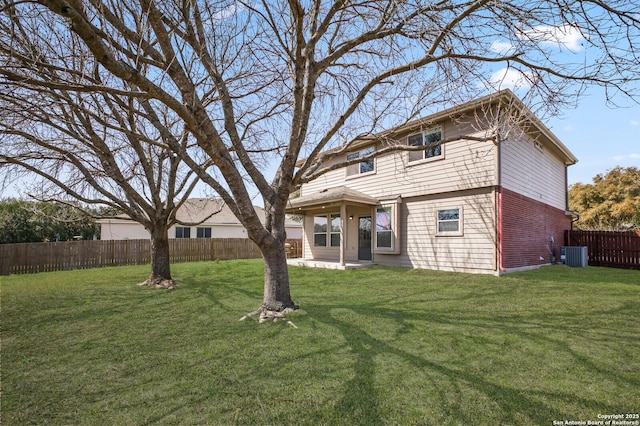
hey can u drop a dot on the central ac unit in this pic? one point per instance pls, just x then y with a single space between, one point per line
575 256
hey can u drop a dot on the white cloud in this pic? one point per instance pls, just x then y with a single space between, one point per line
627 157
510 78
634 122
229 11
501 47
563 36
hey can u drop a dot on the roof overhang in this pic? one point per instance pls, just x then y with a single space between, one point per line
330 197
120 219
506 97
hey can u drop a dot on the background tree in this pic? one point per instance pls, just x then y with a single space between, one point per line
281 80
610 203
27 221
104 148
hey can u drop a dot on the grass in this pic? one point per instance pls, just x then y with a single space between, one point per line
377 346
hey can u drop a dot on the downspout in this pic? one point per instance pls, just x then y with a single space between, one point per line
566 188
499 263
499 226
343 234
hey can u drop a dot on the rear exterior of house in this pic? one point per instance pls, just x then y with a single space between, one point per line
476 203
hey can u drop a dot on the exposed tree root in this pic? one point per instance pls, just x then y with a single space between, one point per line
159 283
266 315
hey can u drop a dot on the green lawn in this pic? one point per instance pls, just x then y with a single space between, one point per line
377 346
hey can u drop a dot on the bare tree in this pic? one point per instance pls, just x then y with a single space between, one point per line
97 147
281 80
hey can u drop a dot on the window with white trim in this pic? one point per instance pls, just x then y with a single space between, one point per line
183 232
320 231
430 139
335 230
384 229
363 166
449 222
387 229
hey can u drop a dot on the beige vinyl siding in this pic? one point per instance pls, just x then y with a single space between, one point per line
474 251
329 180
114 229
306 239
534 173
465 165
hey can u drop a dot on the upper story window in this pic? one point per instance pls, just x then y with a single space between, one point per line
183 232
429 139
362 167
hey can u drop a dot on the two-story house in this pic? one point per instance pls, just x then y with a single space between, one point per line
481 188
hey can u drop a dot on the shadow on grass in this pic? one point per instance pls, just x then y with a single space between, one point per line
361 401
418 348
219 281
598 275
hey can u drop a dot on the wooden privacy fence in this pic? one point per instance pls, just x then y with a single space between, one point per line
61 256
608 248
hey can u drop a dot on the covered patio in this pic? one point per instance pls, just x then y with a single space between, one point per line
337 228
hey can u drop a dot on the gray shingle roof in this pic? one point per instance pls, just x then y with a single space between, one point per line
331 195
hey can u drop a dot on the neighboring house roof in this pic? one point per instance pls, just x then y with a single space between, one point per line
332 195
209 211
197 210
505 97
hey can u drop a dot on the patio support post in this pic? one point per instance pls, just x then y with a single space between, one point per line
343 242
373 232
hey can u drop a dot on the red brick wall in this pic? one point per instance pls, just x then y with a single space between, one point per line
526 226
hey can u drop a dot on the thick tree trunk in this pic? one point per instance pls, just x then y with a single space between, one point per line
277 301
160 262
277 295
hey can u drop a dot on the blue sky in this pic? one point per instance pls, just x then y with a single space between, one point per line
599 135
602 137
